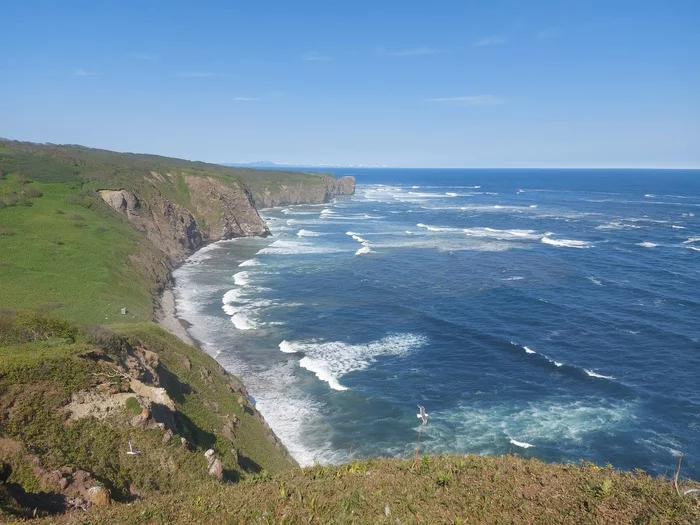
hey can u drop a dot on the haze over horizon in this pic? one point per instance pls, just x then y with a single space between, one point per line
450 84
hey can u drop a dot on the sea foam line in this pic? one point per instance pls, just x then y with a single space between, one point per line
330 361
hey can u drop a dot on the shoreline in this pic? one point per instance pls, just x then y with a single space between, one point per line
165 316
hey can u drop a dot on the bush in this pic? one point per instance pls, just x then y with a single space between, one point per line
104 338
34 326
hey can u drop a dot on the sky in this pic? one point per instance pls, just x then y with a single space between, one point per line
519 83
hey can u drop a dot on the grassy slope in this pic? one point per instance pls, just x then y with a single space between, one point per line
446 489
69 253
68 249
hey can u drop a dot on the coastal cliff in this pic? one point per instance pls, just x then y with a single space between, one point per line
86 254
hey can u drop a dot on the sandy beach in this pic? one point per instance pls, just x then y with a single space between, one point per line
166 317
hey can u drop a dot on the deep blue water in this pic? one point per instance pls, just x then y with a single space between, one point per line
548 313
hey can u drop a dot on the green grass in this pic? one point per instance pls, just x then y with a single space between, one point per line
58 254
480 489
38 378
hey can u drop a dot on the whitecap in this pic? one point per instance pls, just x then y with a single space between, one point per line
249 262
647 244
595 281
332 360
288 348
229 309
528 350
591 373
242 278
521 444
558 364
232 296
322 371
242 322
364 250
307 233
565 243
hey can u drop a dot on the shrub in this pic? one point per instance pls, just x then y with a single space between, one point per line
104 338
35 326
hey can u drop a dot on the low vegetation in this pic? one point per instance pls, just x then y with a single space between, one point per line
91 397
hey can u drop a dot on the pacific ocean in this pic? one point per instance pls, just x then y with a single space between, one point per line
548 313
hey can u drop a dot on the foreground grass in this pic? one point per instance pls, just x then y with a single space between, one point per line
446 489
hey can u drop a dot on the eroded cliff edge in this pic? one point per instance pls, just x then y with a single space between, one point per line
179 213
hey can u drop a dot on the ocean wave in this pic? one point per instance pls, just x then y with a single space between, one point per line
595 281
242 322
366 248
330 361
503 235
242 278
438 228
289 247
647 244
233 296
249 262
591 373
565 243
521 444
307 233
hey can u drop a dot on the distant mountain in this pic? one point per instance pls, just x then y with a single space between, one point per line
256 164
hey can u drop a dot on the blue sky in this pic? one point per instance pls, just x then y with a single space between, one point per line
475 84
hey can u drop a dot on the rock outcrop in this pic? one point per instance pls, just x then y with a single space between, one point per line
215 211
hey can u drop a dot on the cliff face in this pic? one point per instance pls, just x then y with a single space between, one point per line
323 190
215 211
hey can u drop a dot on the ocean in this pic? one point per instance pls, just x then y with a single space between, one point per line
547 313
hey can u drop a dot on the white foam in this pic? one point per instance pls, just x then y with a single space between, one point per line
478 427
595 281
647 244
503 235
677 227
692 240
249 262
515 278
229 309
332 360
242 322
591 373
364 250
437 228
288 348
528 350
307 233
565 243
289 247
520 444
322 371
694 248
450 194
242 278
555 363
232 296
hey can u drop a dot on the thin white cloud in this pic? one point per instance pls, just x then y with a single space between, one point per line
470 100
143 56
246 99
315 56
491 40
549 32
80 72
195 74
410 52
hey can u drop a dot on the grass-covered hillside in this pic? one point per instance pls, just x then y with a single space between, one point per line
97 406
63 249
79 380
